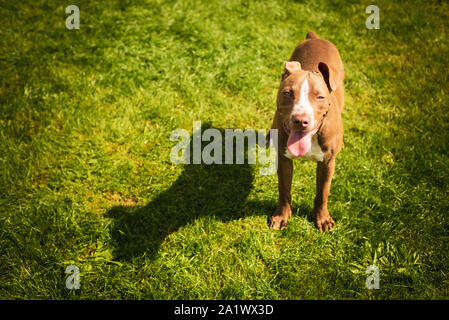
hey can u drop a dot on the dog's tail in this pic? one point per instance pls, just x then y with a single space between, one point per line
311 35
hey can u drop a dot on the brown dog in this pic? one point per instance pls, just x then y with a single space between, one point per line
308 119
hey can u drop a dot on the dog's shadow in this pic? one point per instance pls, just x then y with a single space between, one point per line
201 190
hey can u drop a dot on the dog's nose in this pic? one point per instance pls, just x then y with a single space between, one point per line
302 121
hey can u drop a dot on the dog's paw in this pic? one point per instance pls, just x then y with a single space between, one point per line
278 222
280 217
324 222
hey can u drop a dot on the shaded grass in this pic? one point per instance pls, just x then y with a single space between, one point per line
86 176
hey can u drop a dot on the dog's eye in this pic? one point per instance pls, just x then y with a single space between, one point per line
288 93
320 98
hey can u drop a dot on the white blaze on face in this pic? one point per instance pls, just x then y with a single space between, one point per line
304 107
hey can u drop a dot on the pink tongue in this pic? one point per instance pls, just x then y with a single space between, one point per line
299 143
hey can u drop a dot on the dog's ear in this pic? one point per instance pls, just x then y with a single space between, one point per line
332 77
290 67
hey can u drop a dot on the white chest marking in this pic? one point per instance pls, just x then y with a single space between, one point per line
315 153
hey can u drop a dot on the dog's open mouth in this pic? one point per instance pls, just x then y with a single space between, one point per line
299 142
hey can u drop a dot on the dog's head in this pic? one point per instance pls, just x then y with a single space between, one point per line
304 99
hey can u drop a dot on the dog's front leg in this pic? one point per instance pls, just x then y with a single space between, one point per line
324 174
283 212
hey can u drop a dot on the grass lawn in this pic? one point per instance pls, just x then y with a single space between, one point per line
86 177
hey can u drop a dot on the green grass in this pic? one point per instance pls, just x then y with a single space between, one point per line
86 177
